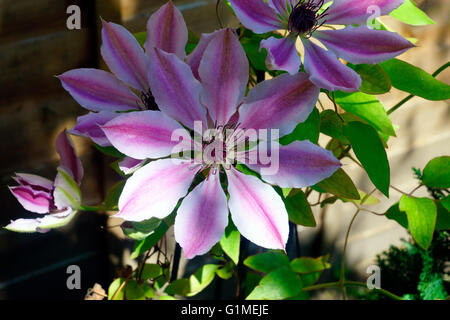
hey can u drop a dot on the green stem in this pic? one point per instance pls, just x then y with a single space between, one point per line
351 284
89 208
435 74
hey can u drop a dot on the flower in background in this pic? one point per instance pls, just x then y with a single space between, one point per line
58 200
210 89
127 88
356 44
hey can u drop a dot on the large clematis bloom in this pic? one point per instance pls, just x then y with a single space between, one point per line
356 44
58 200
127 88
210 91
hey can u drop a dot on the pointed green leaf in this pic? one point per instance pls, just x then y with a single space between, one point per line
298 208
307 130
416 81
230 242
310 265
267 261
340 184
370 152
374 79
421 213
436 173
140 230
331 125
410 14
196 282
366 107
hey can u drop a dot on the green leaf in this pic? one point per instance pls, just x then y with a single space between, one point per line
141 37
421 213
196 282
310 265
416 81
230 242
251 42
134 291
446 202
267 261
147 243
410 14
308 130
280 284
443 217
151 271
113 287
193 40
148 291
374 79
110 151
366 107
226 272
340 185
369 150
395 214
140 230
298 208
436 173
112 198
331 125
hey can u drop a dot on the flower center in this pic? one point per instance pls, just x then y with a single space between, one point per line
304 18
148 100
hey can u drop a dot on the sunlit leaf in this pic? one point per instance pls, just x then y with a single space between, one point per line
340 184
374 79
310 265
436 173
230 242
298 208
410 14
267 261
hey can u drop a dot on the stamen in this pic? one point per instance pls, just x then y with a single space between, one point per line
304 18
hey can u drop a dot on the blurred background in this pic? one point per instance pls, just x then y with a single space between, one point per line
35 45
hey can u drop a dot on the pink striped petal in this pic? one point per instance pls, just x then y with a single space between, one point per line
224 72
129 165
154 190
98 90
124 56
196 56
89 126
37 183
257 210
300 164
358 11
256 15
144 134
167 31
326 71
282 54
175 89
31 200
202 218
279 103
363 45
68 157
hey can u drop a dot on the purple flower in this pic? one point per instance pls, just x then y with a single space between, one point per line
127 87
56 200
303 18
210 90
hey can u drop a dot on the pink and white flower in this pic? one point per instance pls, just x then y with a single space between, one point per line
356 44
211 90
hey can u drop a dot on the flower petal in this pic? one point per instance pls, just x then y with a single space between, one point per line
167 31
326 71
299 164
282 54
202 218
129 165
175 89
124 56
31 200
281 6
196 56
256 15
363 45
279 103
43 224
257 210
224 71
68 157
37 183
154 189
144 134
89 126
358 11
98 90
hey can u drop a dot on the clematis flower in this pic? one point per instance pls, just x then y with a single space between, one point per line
58 200
210 91
359 45
127 88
